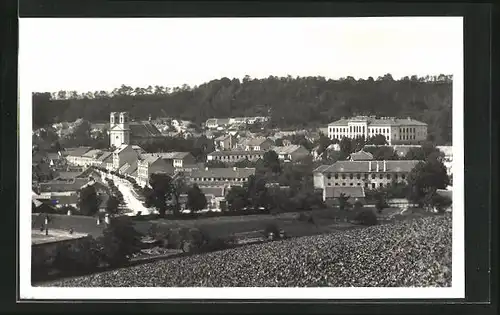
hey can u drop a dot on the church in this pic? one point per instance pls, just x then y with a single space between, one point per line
124 131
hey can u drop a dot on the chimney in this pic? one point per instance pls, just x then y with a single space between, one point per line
369 166
385 166
377 167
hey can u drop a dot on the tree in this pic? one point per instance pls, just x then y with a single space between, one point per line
215 164
196 199
112 205
425 178
257 193
343 201
377 140
380 201
382 153
88 201
425 152
237 198
161 185
346 147
179 186
272 162
119 241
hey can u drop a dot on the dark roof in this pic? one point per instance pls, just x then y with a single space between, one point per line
236 152
373 121
351 192
364 166
60 186
79 151
361 156
144 130
68 175
215 191
223 173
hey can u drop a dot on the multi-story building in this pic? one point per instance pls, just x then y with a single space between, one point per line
395 130
124 154
291 153
149 164
178 159
235 156
221 176
224 142
257 144
367 174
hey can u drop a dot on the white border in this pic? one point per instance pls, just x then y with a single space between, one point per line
28 292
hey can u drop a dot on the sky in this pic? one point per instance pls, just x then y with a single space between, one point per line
102 54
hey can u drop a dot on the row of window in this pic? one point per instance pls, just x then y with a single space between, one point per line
366 176
366 185
219 179
360 129
237 157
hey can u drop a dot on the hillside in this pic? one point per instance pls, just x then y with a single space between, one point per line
291 102
409 253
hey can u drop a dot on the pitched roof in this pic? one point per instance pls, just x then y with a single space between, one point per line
222 138
228 173
148 158
287 149
94 153
172 155
121 147
321 168
384 121
256 141
143 130
361 156
67 175
351 192
132 168
364 166
104 156
236 152
59 185
79 151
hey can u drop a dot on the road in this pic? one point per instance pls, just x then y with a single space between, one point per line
133 204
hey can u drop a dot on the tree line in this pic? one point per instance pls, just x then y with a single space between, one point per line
291 102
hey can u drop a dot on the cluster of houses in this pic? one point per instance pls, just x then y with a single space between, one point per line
234 122
69 170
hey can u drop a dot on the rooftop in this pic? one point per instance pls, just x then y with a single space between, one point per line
236 152
287 149
79 151
404 166
39 237
379 121
223 173
361 156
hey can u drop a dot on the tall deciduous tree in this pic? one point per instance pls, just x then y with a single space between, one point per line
161 190
196 199
88 201
425 178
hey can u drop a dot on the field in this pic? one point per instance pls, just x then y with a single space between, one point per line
414 253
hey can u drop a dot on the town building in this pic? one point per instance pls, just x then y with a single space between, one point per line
401 150
360 156
75 155
124 155
353 194
394 130
258 144
291 153
367 174
178 159
149 164
124 131
224 142
235 156
221 176
215 196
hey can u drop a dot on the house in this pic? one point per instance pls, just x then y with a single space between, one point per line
235 156
291 153
177 159
75 156
224 142
394 130
221 176
124 154
215 196
149 164
354 194
217 123
367 174
360 156
258 144
54 186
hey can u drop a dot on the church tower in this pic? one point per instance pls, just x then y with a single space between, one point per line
119 131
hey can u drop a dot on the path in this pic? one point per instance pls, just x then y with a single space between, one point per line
131 202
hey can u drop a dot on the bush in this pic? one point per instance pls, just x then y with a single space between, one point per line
83 256
274 229
358 205
367 217
119 242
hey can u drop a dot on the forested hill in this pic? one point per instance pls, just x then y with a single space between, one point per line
292 102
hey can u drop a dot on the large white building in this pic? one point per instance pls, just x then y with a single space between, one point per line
395 130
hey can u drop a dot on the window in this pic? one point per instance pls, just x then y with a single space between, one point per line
381 176
343 184
388 176
343 176
403 176
373 176
358 176
336 184
366 185
329 184
351 176
351 184
366 176
329 176
396 176
381 185
359 184
373 185
336 176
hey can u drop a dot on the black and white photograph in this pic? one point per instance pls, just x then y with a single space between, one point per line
224 158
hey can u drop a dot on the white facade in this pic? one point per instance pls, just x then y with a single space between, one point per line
119 131
395 131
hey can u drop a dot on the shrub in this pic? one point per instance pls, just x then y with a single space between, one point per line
358 205
119 242
82 256
366 217
272 228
